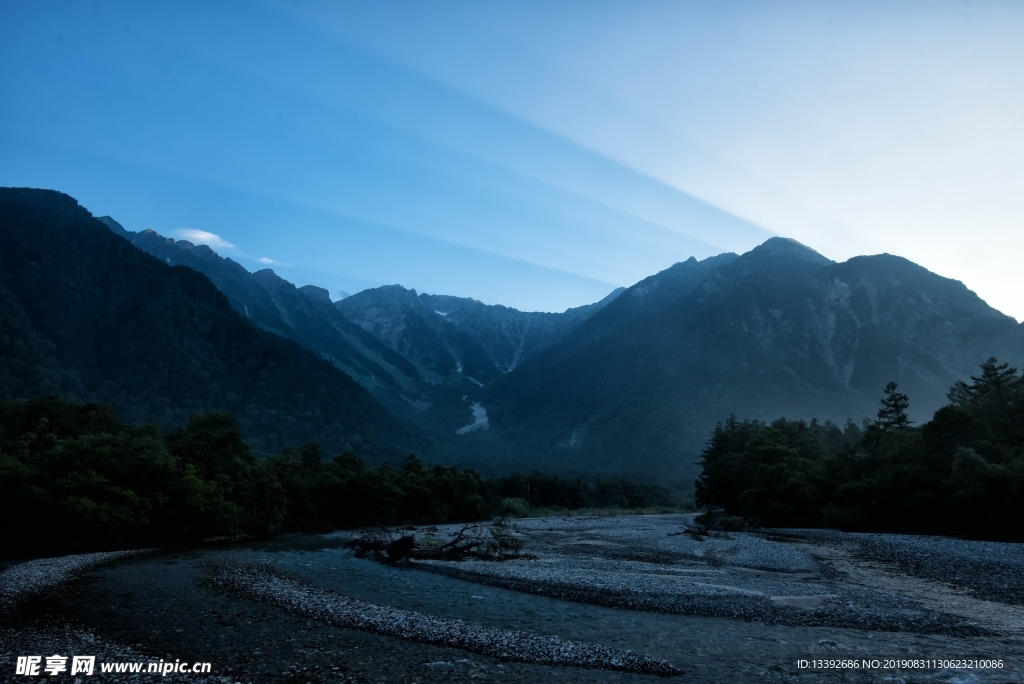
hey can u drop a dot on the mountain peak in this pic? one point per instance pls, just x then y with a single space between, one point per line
317 294
268 278
788 247
397 288
109 222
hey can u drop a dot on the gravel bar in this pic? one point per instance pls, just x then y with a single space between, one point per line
26 580
629 590
261 583
655 563
72 640
20 584
992 571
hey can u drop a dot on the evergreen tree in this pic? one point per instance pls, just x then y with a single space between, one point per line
961 473
893 414
996 397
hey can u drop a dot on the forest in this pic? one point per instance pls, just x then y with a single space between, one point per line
74 478
961 473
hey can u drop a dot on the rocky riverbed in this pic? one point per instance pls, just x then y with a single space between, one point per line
23 581
624 599
888 583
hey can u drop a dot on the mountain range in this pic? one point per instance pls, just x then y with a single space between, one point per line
86 315
632 384
412 352
778 331
459 335
304 315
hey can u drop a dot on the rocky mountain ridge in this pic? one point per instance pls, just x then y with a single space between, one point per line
89 317
304 315
447 334
632 384
777 331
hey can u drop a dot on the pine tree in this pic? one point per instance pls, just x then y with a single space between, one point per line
997 397
893 414
991 393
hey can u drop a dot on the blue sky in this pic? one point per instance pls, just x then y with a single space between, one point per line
534 154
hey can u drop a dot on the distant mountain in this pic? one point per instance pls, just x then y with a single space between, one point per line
418 359
304 315
778 331
86 315
507 335
447 335
632 384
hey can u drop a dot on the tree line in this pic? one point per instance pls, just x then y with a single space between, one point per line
961 473
539 490
75 478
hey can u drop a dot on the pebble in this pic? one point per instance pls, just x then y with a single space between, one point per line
26 580
259 582
652 563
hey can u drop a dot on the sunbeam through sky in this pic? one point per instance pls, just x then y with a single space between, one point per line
533 154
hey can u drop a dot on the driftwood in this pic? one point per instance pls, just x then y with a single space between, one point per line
482 541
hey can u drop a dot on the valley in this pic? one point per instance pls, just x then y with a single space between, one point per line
406 342
632 385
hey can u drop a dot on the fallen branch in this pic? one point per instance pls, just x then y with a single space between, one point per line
481 541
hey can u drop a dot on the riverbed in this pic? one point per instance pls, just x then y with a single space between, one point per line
720 608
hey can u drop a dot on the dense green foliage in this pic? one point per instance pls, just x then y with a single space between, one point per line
960 473
538 490
343 492
87 316
75 478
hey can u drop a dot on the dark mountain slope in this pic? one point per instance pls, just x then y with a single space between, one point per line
646 298
402 321
507 335
304 315
94 318
778 331
458 335
28 362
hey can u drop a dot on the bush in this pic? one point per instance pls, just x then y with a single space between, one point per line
514 507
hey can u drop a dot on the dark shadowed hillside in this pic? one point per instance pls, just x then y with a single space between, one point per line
304 315
780 330
88 316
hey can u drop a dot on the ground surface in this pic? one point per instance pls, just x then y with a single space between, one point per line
735 608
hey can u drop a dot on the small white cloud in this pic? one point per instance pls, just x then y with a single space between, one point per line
201 237
273 262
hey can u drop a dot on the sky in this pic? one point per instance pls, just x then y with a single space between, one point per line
536 154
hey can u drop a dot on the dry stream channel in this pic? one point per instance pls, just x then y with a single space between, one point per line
609 599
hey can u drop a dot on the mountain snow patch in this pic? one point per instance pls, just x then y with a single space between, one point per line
480 420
